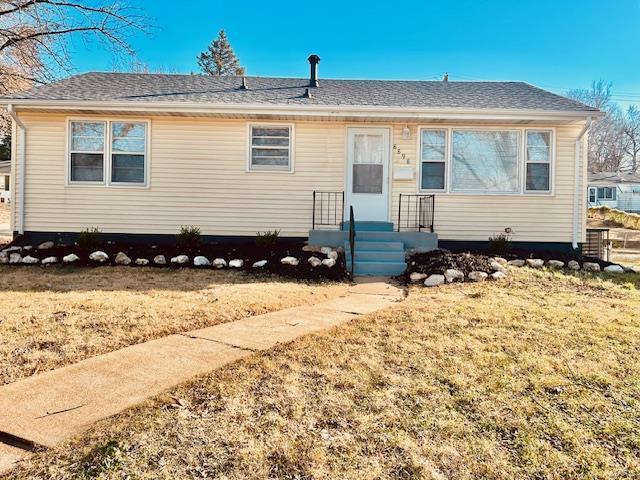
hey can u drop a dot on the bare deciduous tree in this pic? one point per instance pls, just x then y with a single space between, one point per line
631 130
36 36
607 144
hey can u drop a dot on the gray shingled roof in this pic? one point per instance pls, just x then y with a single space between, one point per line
611 178
133 87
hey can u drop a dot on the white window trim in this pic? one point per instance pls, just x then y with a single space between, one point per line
104 152
521 159
265 168
106 172
445 159
550 162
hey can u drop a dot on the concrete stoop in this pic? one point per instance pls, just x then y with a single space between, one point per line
49 408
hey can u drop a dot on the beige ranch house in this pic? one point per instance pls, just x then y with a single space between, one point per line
420 163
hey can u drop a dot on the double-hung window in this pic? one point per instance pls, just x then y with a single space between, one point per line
433 159
270 147
538 161
87 151
108 152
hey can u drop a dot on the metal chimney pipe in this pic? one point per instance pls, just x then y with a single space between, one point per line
313 62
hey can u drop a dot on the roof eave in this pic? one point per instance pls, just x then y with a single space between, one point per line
304 110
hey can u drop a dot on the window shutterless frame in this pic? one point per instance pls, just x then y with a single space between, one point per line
521 159
550 160
270 168
70 151
444 161
107 163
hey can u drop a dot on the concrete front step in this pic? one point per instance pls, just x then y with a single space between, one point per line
378 246
377 255
378 268
370 226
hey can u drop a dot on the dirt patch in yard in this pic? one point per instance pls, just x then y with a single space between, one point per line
55 316
437 261
535 377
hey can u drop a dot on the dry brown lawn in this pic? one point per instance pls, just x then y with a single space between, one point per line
56 316
534 378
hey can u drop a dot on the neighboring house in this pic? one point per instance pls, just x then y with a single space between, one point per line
5 181
143 154
614 189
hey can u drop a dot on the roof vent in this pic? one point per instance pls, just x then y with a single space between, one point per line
307 93
445 78
313 61
244 84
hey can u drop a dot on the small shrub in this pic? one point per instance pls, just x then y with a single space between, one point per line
89 239
501 243
189 237
268 238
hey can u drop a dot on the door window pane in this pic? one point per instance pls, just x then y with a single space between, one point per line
367 149
485 161
367 178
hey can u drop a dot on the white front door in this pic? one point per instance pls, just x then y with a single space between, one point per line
367 191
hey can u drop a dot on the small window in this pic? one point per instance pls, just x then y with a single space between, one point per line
606 193
128 148
270 147
538 162
87 151
433 155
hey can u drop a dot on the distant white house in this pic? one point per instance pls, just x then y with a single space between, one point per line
5 181
614 189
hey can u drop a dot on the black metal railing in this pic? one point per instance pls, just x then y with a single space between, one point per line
416 212
328 209
352 237
596 243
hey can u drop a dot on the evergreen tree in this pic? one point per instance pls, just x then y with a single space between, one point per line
219 58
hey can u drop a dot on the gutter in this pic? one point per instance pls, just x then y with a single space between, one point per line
21 152
302 110
577 176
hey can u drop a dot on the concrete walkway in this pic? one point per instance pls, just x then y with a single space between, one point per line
47 409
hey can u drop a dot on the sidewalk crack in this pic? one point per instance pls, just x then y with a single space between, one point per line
195 337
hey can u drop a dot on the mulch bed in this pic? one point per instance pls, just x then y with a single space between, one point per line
249 253
437 261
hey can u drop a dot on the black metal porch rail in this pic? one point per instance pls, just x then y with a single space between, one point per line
416 212
328 209
352 238
596 243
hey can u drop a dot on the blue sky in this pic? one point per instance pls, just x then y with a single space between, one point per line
557 45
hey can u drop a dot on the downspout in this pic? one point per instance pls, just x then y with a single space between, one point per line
21 151
577 204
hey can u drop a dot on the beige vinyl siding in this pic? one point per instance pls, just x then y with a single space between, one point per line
198 176
532 217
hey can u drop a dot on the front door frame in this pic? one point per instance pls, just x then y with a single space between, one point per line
348 168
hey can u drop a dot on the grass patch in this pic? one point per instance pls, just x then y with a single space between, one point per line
534 377
58 316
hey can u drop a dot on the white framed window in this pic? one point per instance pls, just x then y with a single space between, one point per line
538 161
606 193
433 157
270 147
485 161
87 152
128 152
108 152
